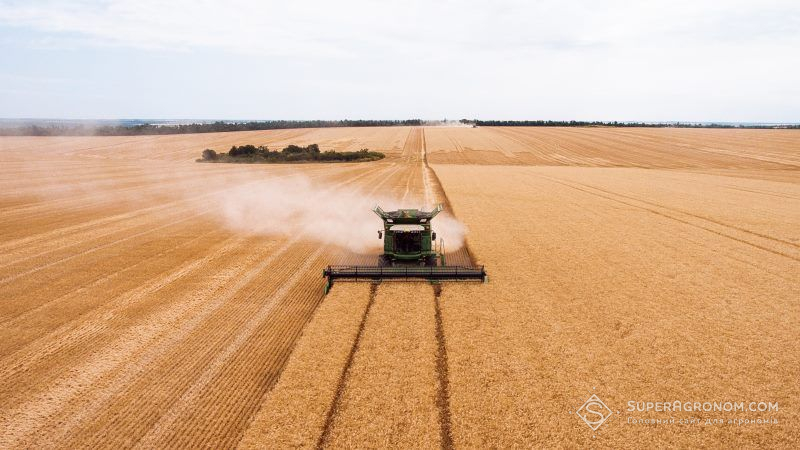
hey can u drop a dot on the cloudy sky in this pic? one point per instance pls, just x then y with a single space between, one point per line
252 59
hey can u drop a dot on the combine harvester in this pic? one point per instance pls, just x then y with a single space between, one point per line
409 252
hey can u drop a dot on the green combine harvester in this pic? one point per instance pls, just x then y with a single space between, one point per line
409 252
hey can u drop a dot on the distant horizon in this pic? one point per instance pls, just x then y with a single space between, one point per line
28 121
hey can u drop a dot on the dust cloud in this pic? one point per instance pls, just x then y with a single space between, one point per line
244 202
297 206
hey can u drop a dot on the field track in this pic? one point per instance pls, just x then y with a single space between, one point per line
133 315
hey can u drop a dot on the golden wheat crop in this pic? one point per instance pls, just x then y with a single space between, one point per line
630 284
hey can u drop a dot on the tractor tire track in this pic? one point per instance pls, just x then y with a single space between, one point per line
701 217
608 195
434 188
442 371
342 384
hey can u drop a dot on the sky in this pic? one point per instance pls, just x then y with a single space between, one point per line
698 60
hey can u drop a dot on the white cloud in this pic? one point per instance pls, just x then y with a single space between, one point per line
355 28
579 59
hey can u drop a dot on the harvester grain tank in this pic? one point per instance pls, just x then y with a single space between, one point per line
410 252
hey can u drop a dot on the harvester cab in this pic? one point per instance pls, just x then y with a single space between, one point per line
408 238
409 252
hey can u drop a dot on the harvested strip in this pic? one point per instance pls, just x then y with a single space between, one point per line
296 410
167 421
390 396
443 394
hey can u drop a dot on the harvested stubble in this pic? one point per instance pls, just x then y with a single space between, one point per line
296 412
122 281
389 398
378 391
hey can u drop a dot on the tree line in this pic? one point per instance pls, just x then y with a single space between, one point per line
290 154
579 123
223 126
215 127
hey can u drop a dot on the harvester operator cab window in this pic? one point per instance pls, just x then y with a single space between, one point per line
407 238
407 242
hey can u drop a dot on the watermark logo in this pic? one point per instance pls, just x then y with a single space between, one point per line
594 412
711 412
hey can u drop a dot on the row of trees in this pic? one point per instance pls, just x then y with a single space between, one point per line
579 123
216 127
221 126
291 153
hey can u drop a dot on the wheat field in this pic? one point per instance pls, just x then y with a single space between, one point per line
150 301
